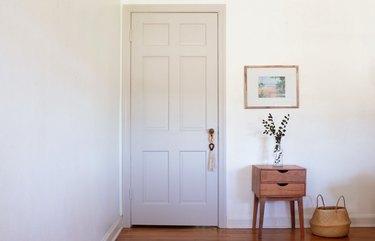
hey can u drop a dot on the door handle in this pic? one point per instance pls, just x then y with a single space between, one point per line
211 146
211 140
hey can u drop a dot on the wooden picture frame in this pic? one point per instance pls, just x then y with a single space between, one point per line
271 86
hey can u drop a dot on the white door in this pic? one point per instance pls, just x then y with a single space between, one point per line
174 101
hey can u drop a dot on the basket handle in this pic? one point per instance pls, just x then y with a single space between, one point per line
337 204
317 201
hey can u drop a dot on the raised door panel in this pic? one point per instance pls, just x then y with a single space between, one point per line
155 34
156 177
155 72
193 34
193 177
193 93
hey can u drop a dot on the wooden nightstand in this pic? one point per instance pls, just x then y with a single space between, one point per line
287 183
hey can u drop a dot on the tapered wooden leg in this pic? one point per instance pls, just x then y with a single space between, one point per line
300 216
292 214
255 211
261 215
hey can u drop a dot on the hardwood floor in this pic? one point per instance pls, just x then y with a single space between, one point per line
215 234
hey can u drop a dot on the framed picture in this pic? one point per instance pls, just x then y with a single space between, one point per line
274 86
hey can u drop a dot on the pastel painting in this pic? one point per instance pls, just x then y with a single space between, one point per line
271 86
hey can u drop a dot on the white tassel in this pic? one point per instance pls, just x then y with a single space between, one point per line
211 161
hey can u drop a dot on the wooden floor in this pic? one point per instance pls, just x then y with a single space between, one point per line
215 234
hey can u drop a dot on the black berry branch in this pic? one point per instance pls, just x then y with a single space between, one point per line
270 128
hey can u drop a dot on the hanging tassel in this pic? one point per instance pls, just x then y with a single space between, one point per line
211 154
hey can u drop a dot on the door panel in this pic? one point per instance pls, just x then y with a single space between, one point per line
193 34
193 93
193 164
174 88
155 92
155 177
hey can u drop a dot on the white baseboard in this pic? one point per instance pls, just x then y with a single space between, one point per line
114 230
367 220
284 222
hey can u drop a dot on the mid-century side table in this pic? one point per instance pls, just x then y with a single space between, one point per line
286 183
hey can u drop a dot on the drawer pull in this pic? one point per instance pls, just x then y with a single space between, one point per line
282 184
283 171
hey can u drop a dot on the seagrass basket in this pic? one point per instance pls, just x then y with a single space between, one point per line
330 221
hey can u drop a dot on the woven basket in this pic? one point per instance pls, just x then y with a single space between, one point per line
330 221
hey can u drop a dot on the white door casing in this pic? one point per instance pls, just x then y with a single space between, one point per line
174 101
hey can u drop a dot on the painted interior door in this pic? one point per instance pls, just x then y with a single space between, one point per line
174 101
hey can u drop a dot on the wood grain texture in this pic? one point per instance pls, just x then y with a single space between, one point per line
286 183
284 167
289 180
215 234
289 190
281 176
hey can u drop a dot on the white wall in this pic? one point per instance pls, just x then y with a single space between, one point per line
332 134
59 119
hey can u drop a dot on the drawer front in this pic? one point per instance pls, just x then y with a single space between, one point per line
283 176
282 189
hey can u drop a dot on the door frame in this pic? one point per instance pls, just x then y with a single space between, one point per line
125 185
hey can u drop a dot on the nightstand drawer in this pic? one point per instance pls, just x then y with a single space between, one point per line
282 189
283 176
